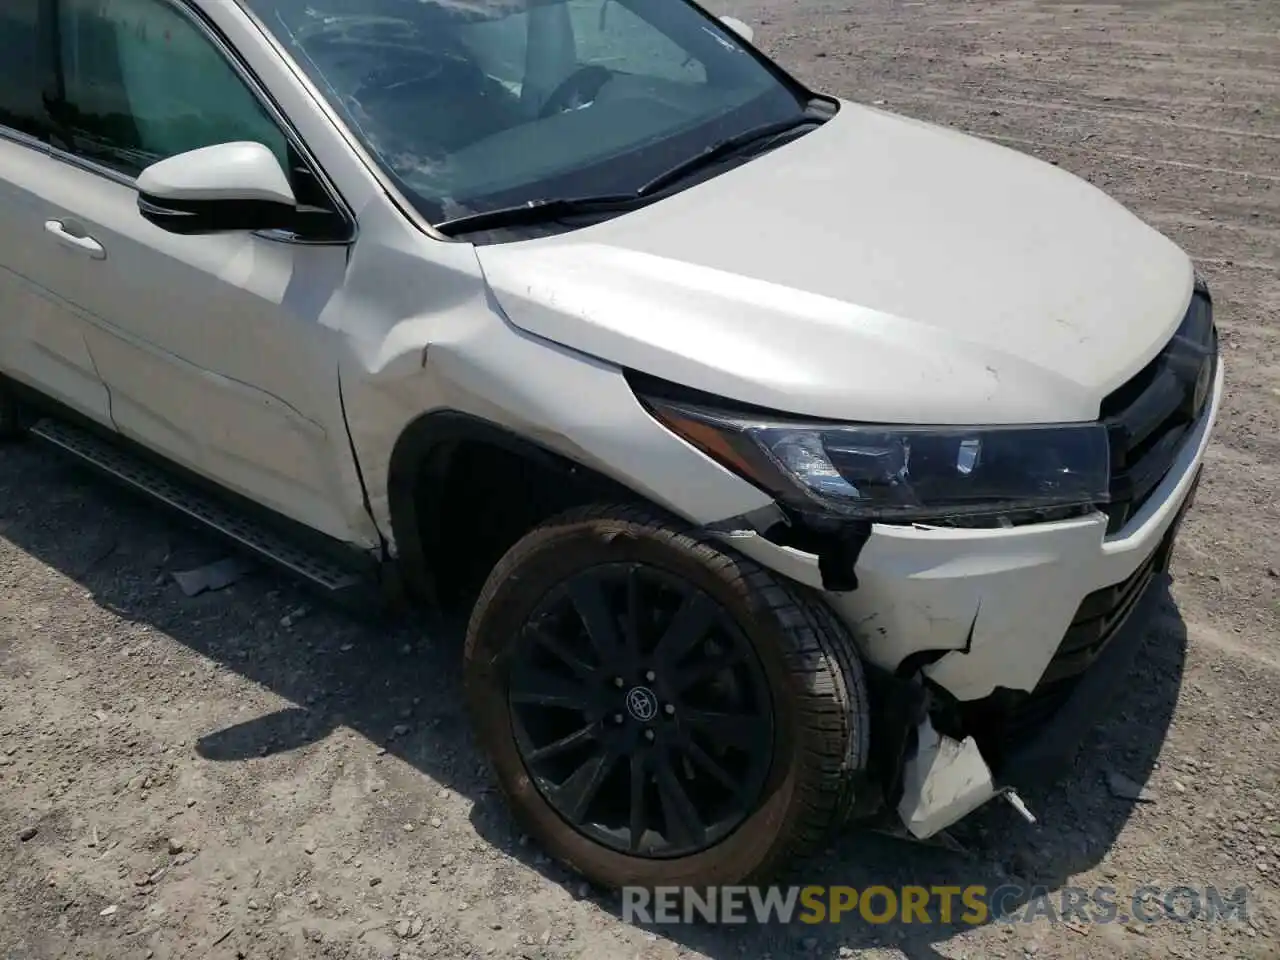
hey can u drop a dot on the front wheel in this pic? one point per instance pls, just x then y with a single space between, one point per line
659 710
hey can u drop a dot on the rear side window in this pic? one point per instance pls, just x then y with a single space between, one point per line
142 83
21 69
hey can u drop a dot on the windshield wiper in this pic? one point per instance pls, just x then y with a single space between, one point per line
724 148
554 208
540 211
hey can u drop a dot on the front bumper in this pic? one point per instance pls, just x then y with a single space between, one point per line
999 602
981 615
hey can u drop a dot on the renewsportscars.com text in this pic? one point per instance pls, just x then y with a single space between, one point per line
972 904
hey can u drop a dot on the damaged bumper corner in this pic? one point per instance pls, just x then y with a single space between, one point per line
969 625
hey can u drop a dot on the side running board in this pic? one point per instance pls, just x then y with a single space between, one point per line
170 489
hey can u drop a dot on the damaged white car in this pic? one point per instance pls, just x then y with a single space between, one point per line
797 463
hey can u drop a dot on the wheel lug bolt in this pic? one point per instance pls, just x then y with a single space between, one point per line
669 709
651 676
648 735
618 681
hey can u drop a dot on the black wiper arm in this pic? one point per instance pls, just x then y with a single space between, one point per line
553 208
726 147
540 211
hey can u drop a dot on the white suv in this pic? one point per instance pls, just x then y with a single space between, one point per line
809 463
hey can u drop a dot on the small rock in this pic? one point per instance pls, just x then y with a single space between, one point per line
546 937
314 899
309 846
182 859
437 823
108 911
27 833
845 952
1273 573
213 576
176 846
1179 787
1124 788
1262 867
408 828
447 860
403 929
415 926
312 934
443 794
191 801
374 881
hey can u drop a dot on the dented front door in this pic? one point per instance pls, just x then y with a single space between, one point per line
211 347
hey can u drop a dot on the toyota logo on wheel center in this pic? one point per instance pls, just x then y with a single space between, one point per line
642 704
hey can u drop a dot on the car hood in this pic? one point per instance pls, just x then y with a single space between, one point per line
878 268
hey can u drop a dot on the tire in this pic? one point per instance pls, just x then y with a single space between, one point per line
812 747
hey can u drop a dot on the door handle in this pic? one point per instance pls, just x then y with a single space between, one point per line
83 244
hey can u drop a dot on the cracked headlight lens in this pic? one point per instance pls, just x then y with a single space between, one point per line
899 474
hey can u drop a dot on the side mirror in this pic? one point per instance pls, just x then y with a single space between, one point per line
219 189
738 27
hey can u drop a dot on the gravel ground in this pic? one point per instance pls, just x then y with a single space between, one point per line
240 774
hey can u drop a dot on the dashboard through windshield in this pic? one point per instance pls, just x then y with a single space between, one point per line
473 105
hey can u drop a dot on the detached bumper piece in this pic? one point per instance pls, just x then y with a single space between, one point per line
944 780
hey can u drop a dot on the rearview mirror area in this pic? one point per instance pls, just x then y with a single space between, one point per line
223 188
738 27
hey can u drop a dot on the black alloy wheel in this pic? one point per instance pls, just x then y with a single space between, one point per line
641 711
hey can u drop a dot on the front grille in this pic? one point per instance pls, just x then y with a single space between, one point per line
1148 418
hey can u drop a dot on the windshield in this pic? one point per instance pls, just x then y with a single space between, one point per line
474 105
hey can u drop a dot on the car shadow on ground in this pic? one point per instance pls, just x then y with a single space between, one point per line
401 690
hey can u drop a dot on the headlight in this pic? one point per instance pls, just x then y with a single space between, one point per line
902 474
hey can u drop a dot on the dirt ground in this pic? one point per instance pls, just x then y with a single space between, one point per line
243 775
